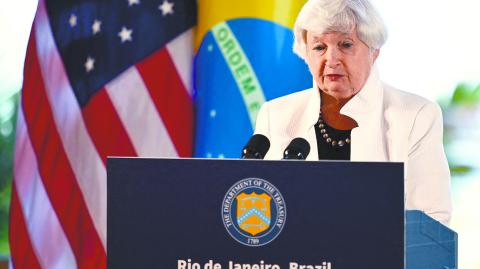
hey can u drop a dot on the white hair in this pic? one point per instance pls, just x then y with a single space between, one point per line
322 16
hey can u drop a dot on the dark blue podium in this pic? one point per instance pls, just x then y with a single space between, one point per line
429 243
236 214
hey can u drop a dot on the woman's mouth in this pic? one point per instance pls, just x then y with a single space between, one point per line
334 77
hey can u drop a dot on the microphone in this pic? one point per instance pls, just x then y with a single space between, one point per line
298 149
256 147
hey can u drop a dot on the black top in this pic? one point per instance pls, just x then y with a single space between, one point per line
328 152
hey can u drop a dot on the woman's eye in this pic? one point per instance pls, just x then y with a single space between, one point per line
347 45
319 48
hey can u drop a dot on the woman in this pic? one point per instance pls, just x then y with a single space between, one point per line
350 114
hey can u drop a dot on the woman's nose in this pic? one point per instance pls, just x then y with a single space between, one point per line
332 57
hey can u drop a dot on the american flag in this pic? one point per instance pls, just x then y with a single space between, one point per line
102 78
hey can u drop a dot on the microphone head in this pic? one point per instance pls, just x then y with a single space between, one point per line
298 149
256 147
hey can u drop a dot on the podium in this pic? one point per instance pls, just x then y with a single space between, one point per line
429 243
238 214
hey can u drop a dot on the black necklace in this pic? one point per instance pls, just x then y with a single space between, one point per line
333 141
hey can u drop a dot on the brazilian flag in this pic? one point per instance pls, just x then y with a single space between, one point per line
243 58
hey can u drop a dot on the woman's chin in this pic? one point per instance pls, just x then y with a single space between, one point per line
339 93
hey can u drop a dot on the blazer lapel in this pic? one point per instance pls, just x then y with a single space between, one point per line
366 107
307 121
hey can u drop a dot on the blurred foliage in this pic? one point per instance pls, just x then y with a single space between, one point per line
8 116
462 121
465 95
456 169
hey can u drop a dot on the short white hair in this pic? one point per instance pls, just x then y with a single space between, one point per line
321 16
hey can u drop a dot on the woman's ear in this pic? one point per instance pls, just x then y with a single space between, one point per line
375 54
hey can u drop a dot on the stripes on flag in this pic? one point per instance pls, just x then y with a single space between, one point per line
47 234
171 102
103 126
130 86
80 153
55 169
21 247
58 208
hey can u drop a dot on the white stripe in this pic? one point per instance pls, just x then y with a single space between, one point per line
84 159
46 234
181 52
138 113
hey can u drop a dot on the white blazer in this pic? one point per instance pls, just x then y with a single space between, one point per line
393 126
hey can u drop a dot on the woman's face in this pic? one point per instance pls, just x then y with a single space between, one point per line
340 63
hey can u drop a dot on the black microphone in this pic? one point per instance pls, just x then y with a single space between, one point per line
298 149
256 147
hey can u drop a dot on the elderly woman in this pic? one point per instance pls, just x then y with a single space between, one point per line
349 114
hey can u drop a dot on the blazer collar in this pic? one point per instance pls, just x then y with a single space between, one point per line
368 141
366 108
367 102
308 120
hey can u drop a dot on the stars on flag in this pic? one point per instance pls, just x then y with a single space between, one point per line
213 114
85 28
96 27
72 20
133 2
125 34
166 8
89 64
219 156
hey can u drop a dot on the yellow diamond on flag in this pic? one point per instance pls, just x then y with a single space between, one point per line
212 12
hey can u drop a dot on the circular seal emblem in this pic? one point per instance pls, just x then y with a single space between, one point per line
254 212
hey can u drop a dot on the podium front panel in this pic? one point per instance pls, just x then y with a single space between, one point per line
180 213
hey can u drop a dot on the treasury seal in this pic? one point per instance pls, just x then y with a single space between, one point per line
254 212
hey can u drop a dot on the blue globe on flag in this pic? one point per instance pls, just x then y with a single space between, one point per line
240 64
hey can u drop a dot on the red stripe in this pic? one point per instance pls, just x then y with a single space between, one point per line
55 170
170 97
105 128
23 255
